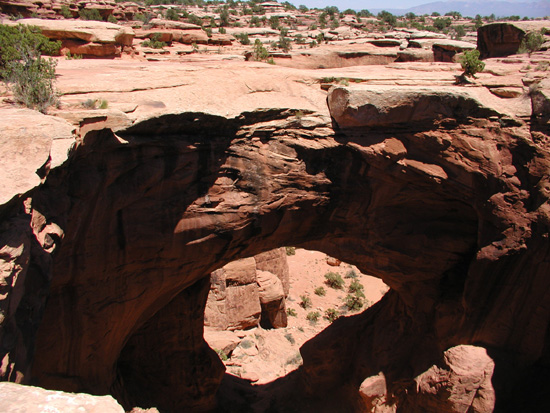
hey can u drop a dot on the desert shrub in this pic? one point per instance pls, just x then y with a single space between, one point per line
531 42
191 18
32 82
20 42
331 314
284 43
274 22
313 316
306 302
442 23
172 14
145 18
334 280
470 63
351 274
222 30
320 291
354 301
260 52
90 14
29 76
112 19
154 42
355 286
387 17
290 251
66 12
243 38
95 104
290 339
459 32
70 56
222 355
291 312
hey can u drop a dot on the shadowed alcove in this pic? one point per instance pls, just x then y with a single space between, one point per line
149 213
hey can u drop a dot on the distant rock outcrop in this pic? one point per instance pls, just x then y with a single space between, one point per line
504 38
87 38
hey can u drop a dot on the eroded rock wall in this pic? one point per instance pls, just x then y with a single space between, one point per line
442 196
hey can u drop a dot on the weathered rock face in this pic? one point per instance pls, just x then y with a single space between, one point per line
504 39
443 197
19 398
248 291
87 38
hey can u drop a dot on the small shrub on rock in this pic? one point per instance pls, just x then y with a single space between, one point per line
320 291
291 312
334 280
29 76
313 316
354 301
355 286
470 64
154 42
531 42
306 302
331 314
90 14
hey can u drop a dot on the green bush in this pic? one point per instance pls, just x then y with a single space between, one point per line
331 314
290 251
172 14
531 42
320 291
470 63
29 76
334 280
354 301
355 286
306 302
260 52
21 41
291 312
66 12
32 82
242 38
90 14
154 42
313 316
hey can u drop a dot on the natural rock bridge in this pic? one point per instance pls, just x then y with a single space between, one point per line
439 195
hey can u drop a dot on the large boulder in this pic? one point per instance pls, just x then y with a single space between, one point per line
504 38
248 291
381 105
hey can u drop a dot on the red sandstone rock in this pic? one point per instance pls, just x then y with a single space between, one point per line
441 193
28 399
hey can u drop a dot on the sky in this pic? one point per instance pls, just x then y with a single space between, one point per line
374 4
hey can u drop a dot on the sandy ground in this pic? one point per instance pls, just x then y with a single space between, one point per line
264 355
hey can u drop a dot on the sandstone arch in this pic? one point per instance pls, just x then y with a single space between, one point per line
430 191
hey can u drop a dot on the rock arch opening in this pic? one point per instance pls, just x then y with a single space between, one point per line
447 209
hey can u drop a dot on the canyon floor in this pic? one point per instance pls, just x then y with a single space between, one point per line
264 355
